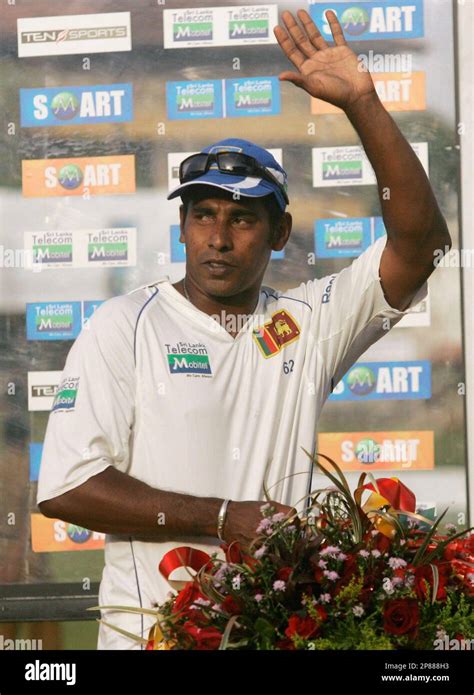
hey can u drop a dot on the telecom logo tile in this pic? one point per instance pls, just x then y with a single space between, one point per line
62 106
219 26
200 99
53 320
369 21
369 381
79 176
58 320
66 394
253 96
82 248
348 165
74 34
347 237
54 535
397 92
247 96
378 451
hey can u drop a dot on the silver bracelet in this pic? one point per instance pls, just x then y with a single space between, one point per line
221 517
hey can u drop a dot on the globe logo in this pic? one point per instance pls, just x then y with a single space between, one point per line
367 451
355 20
78 534
70 176
65 106
361 381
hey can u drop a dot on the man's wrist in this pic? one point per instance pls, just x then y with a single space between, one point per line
363 106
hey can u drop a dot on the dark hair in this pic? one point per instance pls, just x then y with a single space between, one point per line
274 211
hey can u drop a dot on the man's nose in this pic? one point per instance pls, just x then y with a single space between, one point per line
221 236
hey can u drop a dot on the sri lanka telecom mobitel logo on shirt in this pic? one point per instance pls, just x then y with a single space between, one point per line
62 106
78 176
369 21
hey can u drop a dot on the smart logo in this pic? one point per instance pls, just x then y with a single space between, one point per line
254 96
368 21
76 105
385 381
78 534
78 176
66 394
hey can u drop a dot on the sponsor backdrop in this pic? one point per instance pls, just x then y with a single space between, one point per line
101 104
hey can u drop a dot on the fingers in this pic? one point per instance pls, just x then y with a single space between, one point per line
312 30
336 29
294 77
288 47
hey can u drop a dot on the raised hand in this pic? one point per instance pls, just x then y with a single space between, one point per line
331 73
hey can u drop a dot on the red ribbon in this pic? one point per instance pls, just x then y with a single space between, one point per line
183 556
400 497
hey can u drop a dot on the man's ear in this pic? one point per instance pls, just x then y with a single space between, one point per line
181 223
282 233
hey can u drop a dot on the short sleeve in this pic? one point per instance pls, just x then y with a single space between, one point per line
90 421
350 311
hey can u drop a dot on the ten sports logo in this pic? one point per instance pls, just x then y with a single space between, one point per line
73 34
60 106
78 176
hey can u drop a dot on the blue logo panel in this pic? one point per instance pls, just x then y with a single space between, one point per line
370 381
188 100
59 106
88 308
369 21
53 320
253 96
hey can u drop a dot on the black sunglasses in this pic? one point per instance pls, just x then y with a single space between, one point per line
235 163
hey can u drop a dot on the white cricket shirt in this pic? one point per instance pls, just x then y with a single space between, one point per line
159 389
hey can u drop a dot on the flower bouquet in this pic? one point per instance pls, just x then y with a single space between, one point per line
359 571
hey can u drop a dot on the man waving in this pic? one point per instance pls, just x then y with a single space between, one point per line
192 400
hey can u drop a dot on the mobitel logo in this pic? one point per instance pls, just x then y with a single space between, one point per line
107 246
254 96
76 105
78 176
73 34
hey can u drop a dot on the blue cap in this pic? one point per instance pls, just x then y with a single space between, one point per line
250 186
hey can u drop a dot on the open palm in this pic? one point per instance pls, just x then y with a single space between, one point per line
329 73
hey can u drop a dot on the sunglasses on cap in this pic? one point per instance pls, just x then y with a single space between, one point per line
234 163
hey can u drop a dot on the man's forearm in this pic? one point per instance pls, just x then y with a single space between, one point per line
409 207
116 503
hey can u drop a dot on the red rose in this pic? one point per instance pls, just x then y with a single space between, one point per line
303 627
206 638
424 581
284 573
235 555
231 606
401 617
186 597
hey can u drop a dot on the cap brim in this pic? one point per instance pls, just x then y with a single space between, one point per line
247 186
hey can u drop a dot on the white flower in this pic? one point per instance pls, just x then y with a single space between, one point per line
388 586
236 582
323 564
376 553
358 611
364 553
396 563
325 598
